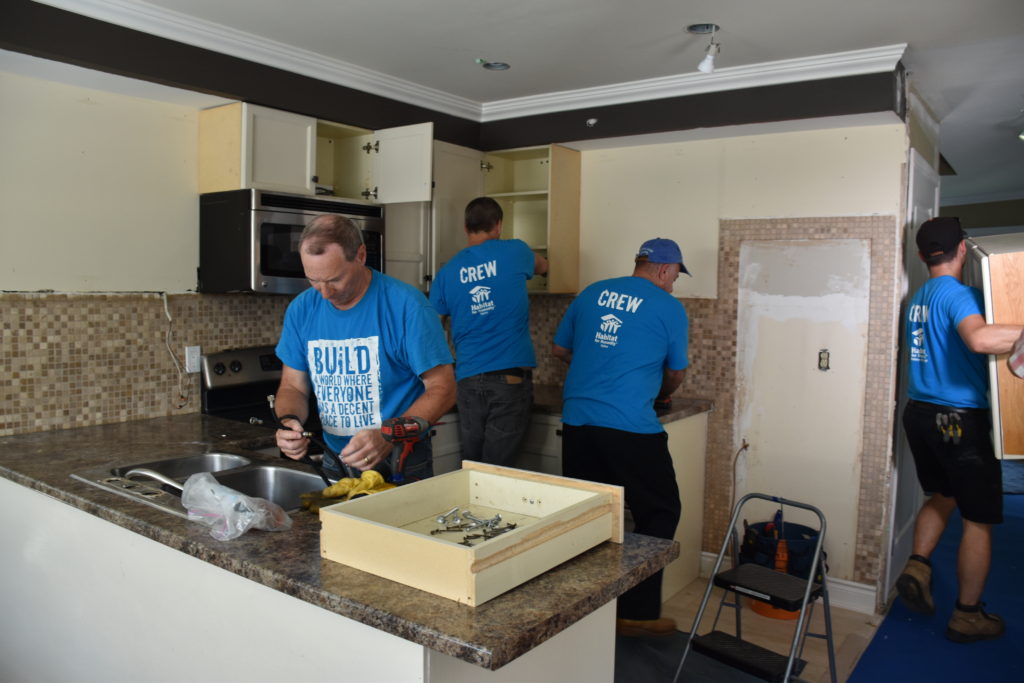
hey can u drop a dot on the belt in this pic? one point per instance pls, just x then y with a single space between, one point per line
946 409
515 372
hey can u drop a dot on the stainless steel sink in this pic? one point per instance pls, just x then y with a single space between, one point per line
281 485
182 468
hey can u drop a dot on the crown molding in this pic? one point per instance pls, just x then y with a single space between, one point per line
164 23
852 63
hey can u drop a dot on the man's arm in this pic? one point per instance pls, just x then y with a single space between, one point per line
561 353
292 399
982 337
670 382
438 396
540 264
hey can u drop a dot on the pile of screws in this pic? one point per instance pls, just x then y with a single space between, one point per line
452 522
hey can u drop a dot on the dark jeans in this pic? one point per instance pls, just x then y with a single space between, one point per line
494 414
642 465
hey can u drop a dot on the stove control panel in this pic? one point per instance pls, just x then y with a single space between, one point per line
236 367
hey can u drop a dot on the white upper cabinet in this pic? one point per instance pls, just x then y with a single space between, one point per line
244 145
280 150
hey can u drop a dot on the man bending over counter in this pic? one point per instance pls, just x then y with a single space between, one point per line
369 346
626 340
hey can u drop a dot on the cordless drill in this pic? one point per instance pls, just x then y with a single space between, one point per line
403 432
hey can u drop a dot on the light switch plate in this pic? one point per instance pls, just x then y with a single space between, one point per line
192 359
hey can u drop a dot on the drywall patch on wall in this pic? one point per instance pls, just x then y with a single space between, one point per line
803 423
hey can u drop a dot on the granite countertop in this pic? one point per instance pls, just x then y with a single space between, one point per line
489 636
547 398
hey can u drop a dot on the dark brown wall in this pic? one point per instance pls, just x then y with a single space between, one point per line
59 35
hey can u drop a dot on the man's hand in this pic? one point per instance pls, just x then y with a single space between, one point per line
291 441
365 450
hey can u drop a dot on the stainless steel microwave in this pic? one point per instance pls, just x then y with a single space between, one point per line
249 239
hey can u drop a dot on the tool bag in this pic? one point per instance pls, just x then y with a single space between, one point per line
761 542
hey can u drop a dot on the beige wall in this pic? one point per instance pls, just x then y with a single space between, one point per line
97 190
681 190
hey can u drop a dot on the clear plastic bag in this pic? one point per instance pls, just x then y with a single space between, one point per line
228 513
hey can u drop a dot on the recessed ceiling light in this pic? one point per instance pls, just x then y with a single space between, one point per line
493 66
702 29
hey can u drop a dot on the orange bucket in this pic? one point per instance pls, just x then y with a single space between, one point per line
766 610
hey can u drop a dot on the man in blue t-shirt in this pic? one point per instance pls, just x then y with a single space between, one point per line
483 289
370 348
948 427
625 340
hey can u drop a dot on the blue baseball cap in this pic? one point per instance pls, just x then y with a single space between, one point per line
661 250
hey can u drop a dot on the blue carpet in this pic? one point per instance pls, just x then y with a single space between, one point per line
913 647
1013 476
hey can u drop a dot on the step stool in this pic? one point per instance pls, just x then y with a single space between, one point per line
775 588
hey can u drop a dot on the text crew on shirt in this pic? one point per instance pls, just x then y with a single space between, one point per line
477 273
620 302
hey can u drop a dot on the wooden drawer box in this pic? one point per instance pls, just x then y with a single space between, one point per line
389 533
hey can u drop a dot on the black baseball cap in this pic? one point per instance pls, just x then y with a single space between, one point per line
939 236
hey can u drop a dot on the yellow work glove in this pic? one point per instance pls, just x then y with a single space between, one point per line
370 482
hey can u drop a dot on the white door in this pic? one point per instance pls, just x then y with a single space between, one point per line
406 238
907 495
280 150
403 163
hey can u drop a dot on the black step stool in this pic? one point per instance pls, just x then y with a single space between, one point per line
775 588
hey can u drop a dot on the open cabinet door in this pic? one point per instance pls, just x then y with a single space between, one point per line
403 163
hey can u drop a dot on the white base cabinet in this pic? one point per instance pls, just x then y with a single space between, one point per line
93 601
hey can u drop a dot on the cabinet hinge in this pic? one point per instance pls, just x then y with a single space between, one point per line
367 193
372 147
486 165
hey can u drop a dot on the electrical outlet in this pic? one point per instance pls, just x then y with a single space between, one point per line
191 359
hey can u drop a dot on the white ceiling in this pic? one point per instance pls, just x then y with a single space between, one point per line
966 59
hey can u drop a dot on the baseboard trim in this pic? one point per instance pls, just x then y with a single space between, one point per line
856 597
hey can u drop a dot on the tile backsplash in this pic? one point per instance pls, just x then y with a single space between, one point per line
74 360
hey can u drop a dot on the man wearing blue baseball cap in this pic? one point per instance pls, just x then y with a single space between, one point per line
625 340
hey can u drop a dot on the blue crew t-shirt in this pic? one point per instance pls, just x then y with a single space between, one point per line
364 363
483 289
623 334
942 369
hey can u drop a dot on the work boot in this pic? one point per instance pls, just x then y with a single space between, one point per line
915 585
967 626
639 628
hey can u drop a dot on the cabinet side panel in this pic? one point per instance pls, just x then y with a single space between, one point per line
220 148
564 221
1007 281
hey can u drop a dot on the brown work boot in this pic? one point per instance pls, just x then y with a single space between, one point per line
915 586
967 627
640 628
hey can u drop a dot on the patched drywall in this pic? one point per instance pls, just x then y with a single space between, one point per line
804 424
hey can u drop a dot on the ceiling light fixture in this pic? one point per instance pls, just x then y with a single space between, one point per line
707 65
493 66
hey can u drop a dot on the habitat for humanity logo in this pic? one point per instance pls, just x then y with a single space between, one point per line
917 350
481 298
608 332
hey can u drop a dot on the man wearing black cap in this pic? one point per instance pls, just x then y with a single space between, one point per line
625 340
947 424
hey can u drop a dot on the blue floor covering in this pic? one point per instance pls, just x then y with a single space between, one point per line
913 647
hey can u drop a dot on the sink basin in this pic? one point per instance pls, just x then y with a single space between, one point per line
182 468
280 485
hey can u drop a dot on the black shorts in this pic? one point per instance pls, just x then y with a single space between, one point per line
966 468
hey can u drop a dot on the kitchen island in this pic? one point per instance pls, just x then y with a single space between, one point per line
100 587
